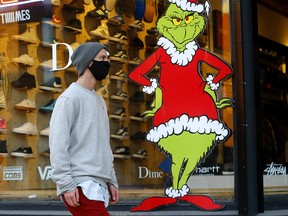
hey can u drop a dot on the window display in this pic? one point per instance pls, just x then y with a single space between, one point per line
36 68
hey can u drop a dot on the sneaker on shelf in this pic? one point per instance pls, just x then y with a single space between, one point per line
120 56
119 113
138 97
74 46
48 41
53 85
100 31
122 152
98 13
116 20
3 148
138 25
120 95
74 26
46 153
138 117
121 133
3 128
152 31
119 75
55 3
48 108
24 59
55 21
135 61
141 154
25 105
26 128
139 136
23 152
49 64
2 98
137 43
103 91
119 37
45 131
28 36
26 81
76 6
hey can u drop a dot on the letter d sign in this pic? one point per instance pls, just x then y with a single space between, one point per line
54 56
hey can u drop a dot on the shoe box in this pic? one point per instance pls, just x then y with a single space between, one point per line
33 86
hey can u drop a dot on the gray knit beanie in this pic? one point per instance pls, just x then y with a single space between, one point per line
84 54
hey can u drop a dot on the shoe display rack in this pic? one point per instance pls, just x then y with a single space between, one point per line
31 88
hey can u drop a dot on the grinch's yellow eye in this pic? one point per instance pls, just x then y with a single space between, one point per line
176 21
188 19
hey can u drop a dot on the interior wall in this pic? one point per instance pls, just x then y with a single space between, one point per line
272 25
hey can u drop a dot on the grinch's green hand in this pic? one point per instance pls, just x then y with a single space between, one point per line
224 102
157 103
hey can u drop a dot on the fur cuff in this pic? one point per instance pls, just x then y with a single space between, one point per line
151 89
174 193
213 86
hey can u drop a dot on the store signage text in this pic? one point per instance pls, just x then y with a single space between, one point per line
54 56
144 172
15 16
13 173
275 169
207 170
45 174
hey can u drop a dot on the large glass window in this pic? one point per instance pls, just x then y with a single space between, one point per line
36 69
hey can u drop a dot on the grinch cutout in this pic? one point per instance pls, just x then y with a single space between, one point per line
185 114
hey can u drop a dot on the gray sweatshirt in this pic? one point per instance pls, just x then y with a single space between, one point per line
79 140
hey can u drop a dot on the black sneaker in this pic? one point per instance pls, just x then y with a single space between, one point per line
121 134
138 97
137 43
74 26
26 81
139 136
119 113
122 152
3 148
23 152
98 13
76 6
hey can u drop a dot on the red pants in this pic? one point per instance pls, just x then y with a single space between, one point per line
87 207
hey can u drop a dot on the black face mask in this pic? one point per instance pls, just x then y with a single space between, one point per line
100 69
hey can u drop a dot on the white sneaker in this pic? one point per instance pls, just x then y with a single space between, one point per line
45 131
27 128
24 59
49 63
25 104
101 31
56 3
29 36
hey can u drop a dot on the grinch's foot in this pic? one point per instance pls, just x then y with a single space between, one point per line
174 193
153 203
202 202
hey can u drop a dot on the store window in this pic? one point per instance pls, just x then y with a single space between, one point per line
36 69
273 79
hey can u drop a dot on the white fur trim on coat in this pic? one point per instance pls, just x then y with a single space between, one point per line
201 125
151 89
174 193
188 6
179 58
213 86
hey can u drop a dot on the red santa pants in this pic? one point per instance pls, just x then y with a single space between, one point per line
87 207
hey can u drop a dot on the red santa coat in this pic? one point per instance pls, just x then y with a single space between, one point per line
181 83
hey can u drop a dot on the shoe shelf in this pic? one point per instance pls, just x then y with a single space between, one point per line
29 55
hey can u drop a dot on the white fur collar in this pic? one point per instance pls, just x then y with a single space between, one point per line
180 58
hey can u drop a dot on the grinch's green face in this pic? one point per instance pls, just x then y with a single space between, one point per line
180 27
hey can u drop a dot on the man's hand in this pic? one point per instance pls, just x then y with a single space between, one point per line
114 194
72 198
